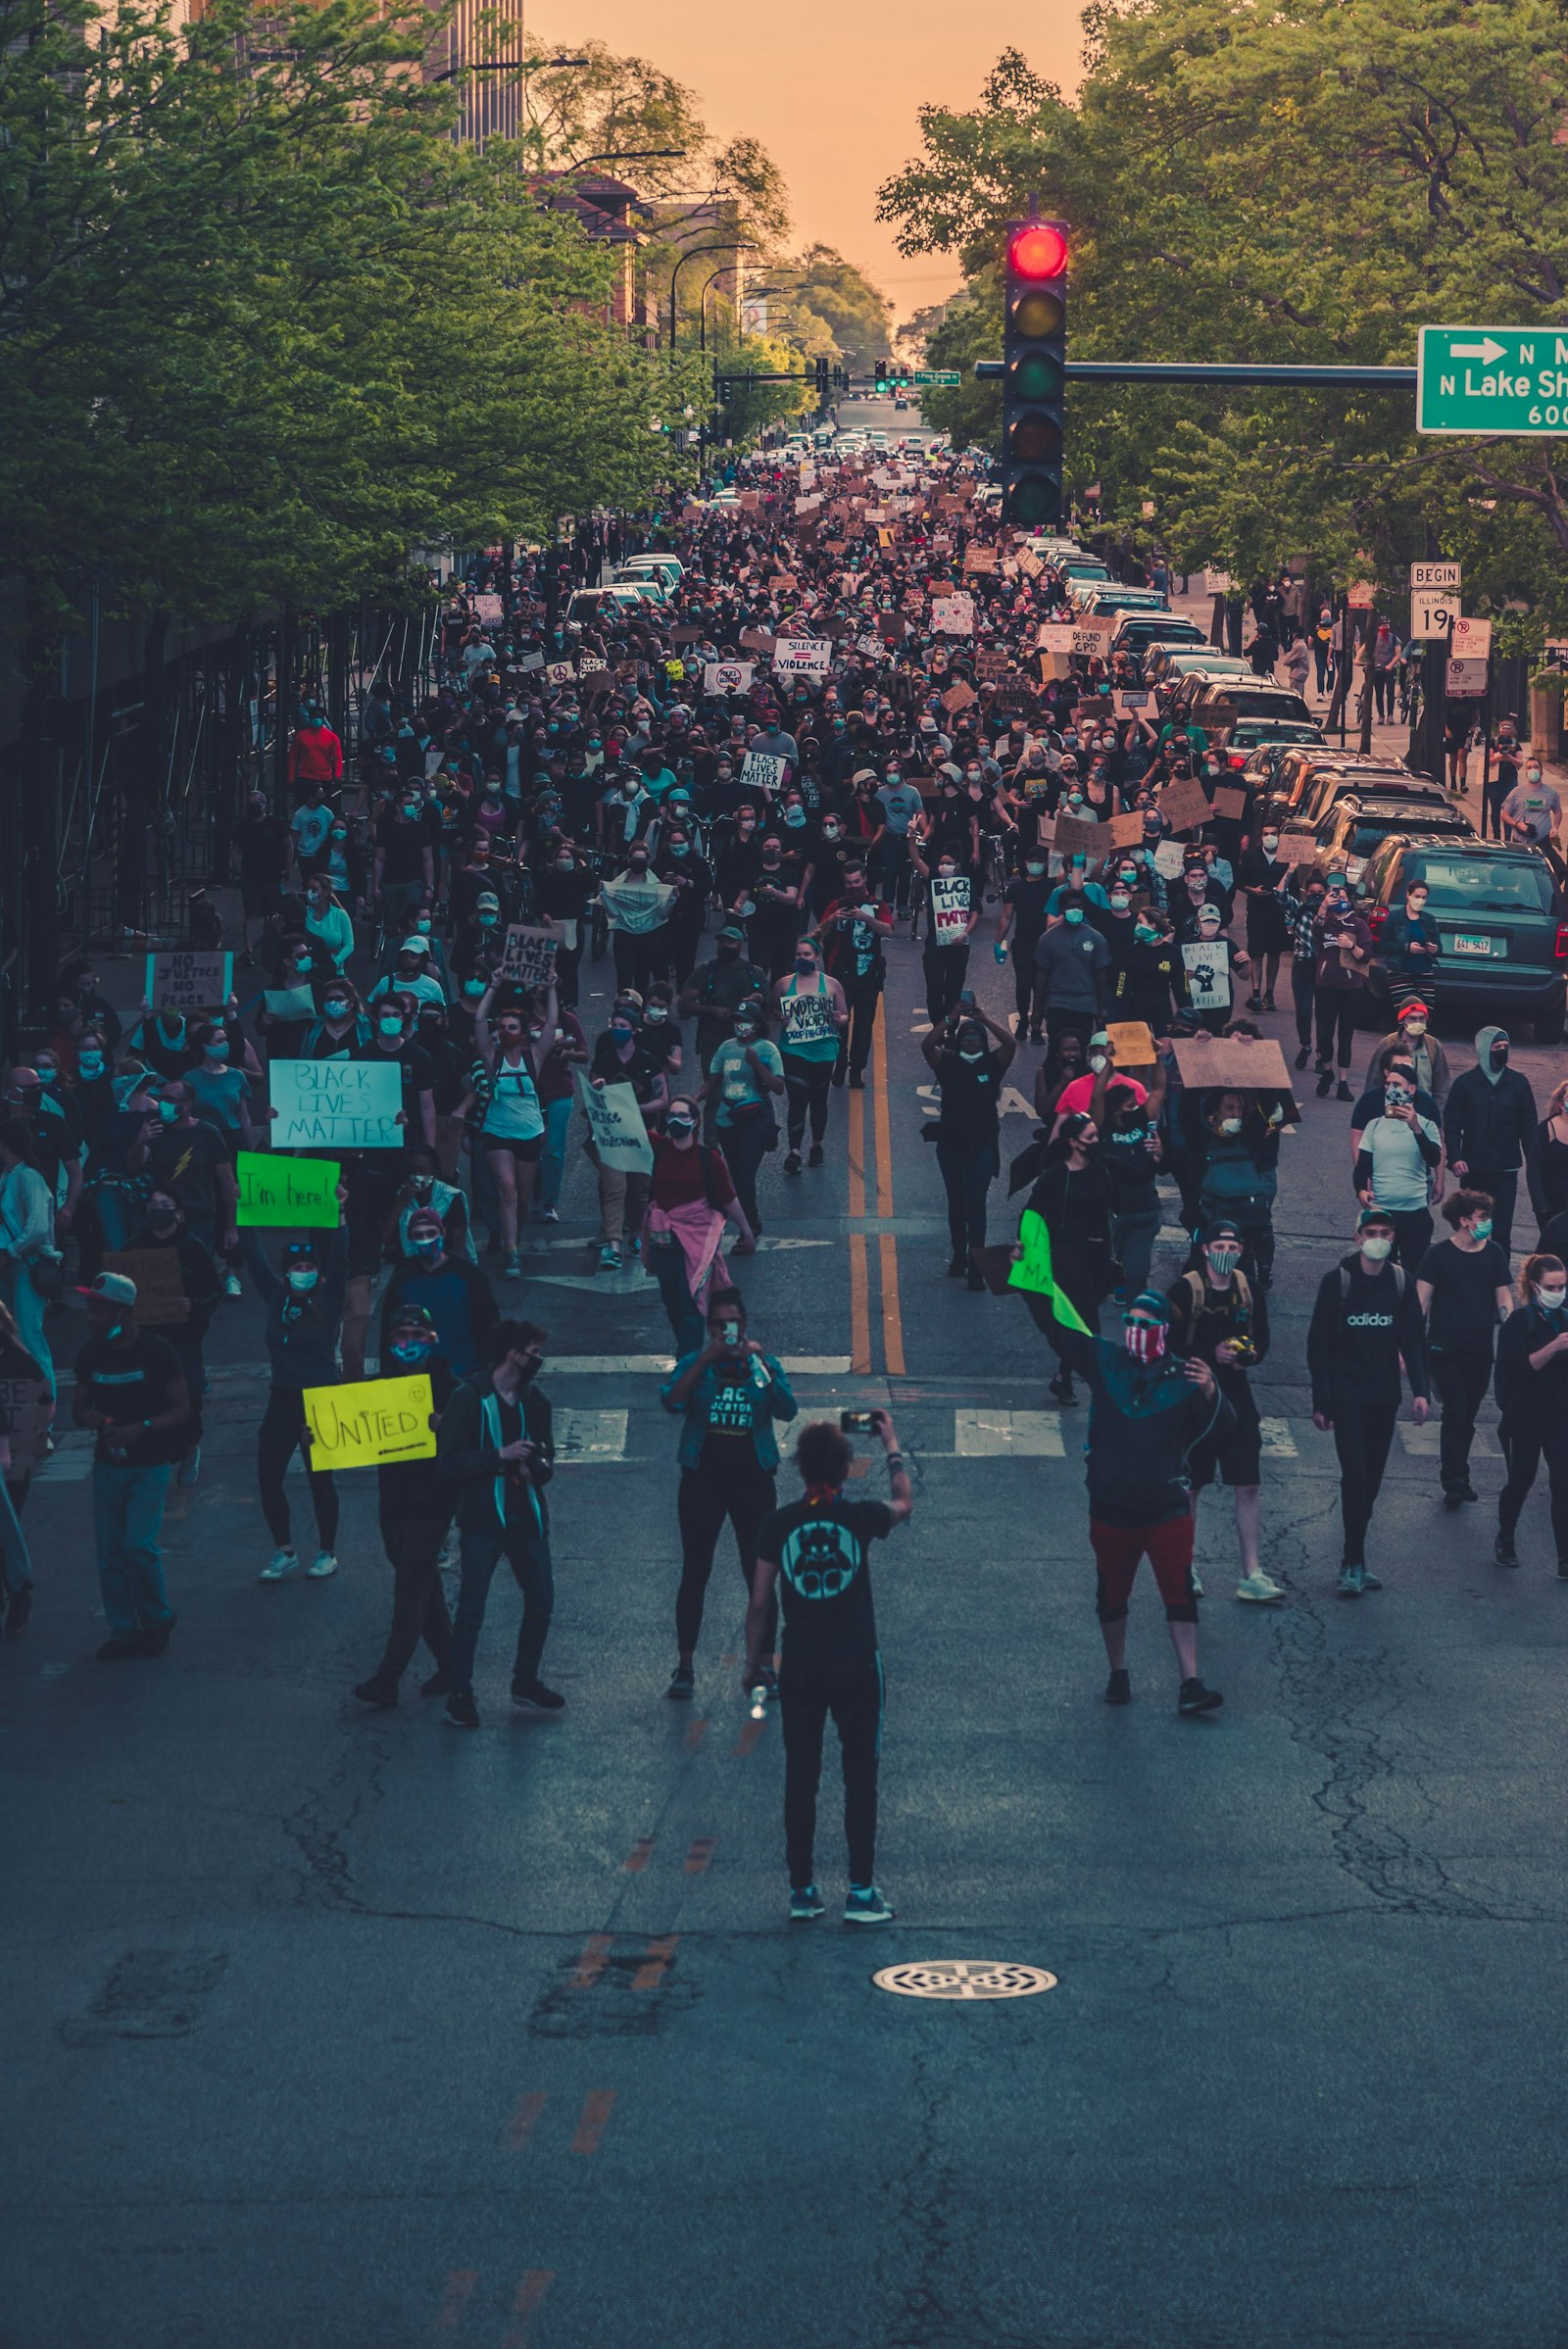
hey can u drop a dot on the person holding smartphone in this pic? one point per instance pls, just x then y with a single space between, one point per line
496 1444
814 1554
728 1395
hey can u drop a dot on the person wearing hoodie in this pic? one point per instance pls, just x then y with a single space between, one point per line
1412 1040
414 1509
304 1321
1490 1128
456 1295
1532 1388
1366 1330
496 1444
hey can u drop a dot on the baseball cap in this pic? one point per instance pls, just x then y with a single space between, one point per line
1149 1303
414 945
733 930
1221 1227
487 897
1373 1216
117 1287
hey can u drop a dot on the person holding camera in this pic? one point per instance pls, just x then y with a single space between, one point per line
728 1396
1217 1318
969 1056
496 1444
813 1553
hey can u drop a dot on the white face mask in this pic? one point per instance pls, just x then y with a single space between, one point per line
1230 1125
1271 841
1551 1301
1375 1250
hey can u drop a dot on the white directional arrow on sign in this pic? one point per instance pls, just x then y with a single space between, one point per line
1486 350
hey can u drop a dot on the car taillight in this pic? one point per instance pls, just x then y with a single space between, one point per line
1380 914
1562 941
1238 758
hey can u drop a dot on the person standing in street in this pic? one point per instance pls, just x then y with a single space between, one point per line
496 1444
304 1322
1073 975
1366 1329
951 915
413 1502
1462 1283
746 1077
129 1388
815 1554
729 1397
1491 1129
1532 1391
852 933
1216 1318
1398 1163
201 1294
1342 946
813 1019
969 1056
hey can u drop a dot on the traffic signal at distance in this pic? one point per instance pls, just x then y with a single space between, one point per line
882 375
1034 363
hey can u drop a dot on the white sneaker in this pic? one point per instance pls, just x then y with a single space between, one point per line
231 1287
1198 1588
281 1562
323 1564
1261 1588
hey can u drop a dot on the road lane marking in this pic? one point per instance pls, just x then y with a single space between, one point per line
460 2290
888 1247
698 1859
1278 1442
992 1435
535 2283
637 1858
590 1435
596 2107
593 1961
655 1963
891 1310
525 2119
1426 1443
859 1306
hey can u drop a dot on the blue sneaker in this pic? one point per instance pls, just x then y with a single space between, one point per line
866 1907
806 1902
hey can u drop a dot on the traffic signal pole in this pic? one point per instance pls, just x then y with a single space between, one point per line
1182 371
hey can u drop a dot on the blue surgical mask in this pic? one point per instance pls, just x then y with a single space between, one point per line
473 987
217 1049
409 1354
91 1064
1481 1227
1074 915
302 1279
390 1026
168 1111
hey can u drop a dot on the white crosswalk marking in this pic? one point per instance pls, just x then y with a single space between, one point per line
1278 1442
1425 1443
591 1435
1007 1434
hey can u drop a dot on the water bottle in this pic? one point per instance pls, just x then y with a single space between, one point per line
1000 950
759 1703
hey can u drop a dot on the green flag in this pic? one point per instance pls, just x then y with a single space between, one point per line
1032 1272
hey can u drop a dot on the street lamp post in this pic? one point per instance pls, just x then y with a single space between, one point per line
740 244
582 163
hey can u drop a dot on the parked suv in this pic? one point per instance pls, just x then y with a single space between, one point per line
1502 930
1356 827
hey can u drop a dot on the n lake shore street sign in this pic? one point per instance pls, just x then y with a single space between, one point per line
1491 379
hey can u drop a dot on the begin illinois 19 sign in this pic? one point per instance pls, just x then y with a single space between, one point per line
1491 379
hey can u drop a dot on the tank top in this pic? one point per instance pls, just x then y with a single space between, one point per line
513 1114
810 1031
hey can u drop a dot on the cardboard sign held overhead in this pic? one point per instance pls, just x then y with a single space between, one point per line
188 982
1125 831
529 954
160 1291
1076 837
281 1195
958 697
1184 804
369 1422
1231 801
336 1104
1236 1064
1133 1043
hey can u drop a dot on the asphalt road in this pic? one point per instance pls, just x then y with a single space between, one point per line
322 2028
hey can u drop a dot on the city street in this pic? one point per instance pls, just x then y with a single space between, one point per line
343 2029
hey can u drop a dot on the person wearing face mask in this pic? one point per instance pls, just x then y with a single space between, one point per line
163 1041
511 1121
950 917
690 1198
1021 924
1072 968
745 1079
1462 1283
1151 1410
691 877
1490 1129
1217 1318
188 1158
263 847
221 1091
850 933
1262 877
130 1390
969 1056
1366 1331
304 1320
1414 1041
454 1292
1071 1196
813 1019
1534 806
414 1505
899 803
564 889
30 1259
34 1097
637 906
1398 1163
496 1445
202 1293
343 1030
1532 1391
403 872
1341 948
1305 892
413 973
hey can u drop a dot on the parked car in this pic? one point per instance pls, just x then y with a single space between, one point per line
1298 796
1356 827
1137 630
1166 666
1247 732
1115 598
590 604
1220 704
1502 930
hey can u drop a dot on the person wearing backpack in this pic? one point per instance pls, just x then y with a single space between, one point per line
1216 1318
1238 1147
690 1198
1366 1329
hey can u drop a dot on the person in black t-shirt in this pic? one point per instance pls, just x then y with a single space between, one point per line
814 1551
130 1387
265 847
415 1504
1462 1284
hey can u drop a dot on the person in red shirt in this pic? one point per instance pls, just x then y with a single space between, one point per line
315 755
690 1200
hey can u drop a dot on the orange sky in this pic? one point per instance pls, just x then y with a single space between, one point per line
832 92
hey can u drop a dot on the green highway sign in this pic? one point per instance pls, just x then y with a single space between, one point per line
943 375
1491 379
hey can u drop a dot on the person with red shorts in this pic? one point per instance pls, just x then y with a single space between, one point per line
1150 1410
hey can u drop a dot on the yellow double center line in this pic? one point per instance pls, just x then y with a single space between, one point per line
888 1247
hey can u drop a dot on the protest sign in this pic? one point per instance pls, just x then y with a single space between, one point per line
336 1104
616 1127
370 1421
807 1019
1075 835
28 1403
1124 831
1133 1043
750 501
953 615
160 1291
285 1195
487 610
1230 801
1184 804
980 559
763 770
529 954
1053 636
636 907
561 672
289 1002
527 663
802 655
949 911
1168 860
958 697
1237 1065
188 982
1090 641
1209 978
728 676
991 661
1130 705
685 636
756 640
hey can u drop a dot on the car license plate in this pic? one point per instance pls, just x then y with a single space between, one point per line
1465 943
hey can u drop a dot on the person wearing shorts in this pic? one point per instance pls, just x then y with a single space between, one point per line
1218 1317
1151 1410
512 1131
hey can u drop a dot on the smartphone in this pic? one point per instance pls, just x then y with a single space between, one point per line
967 995
854 1423
729 1332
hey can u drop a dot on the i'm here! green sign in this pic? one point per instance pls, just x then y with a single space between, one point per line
1493 380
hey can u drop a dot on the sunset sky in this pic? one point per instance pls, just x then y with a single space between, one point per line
833 94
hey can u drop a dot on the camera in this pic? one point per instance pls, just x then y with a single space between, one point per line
854 1423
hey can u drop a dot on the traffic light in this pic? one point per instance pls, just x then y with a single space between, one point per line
822 378
727 391
1034 363
881 374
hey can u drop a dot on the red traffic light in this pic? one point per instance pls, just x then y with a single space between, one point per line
1038 249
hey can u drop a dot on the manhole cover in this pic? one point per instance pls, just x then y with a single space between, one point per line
964 1977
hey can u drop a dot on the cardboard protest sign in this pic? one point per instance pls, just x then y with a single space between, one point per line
336 1104
1237 1065
958 697
184 981
1133 1043
1131 705
1184 804
1209 977
1231 801
160 1291
1124 831
728 676
1089 640
891 625
561 672
1053 636
1076 836
30 1404
685 636
949 911
953 615
529 662
289 1002
1168 860
370 1421
806 1019
487 610
1052 666
802 655
990 662
763 770
285 1194
756 640
529 954
750 501
781 582
616 1127
980 559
